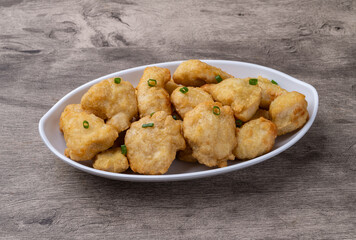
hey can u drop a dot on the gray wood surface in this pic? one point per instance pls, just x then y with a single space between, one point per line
48 48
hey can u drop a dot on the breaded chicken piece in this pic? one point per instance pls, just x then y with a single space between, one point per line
186 155
111 160
210 131
261 113
196 73
243 98
255 138
170 86
185 99
152 143
151 95
289 112
269 91
85 134
113 101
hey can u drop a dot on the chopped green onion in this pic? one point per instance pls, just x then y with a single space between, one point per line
147 125
123 149
152 114
175 117
152 82
216 110
184 90
253 81
218 78
274 82
117 80
85 124
239 123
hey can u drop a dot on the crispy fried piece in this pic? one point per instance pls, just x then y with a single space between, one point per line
151 150
111 160
186 155
153 98
255 138
84 143
109 100
212 137
261 113
243 98
289 112
185 102
196 73
170 86
269 91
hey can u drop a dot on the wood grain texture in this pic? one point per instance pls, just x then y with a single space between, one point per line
48 48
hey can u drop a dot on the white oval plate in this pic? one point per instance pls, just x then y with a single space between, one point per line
53 138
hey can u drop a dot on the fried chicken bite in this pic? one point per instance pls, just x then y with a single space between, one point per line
269 91
111 160
170 86
289 112
184 99
152 143
151 95
84 133
210 131
255 138
112 99
243 98
196 73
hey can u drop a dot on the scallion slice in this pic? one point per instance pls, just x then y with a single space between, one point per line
216 110
253 81
152 82
218 78
85 124
184 90
147 125
123 149
239 123
117 80
152 114
274 82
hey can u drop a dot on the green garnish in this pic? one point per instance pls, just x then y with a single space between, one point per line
147 125
274 82
216 110
253 81
85 124
123 149
239 123
218 78
174 117
184 90
152 114
152 82
117 80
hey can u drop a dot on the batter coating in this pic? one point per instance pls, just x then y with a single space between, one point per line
111 160
170 86
152 149
185 102
113 101
196 73
84 143
289 112
255 138
186 155
212 137
243 98
151 95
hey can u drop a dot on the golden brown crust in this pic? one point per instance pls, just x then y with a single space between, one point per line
255 138
186 155
84 143
261 113
111 160
212 137
152 150
109 100
243 98
170 86
289 112
196 73
156 98
185 102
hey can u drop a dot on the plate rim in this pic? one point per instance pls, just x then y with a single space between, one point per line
177 176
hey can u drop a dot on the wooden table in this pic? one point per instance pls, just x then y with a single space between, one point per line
48 48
